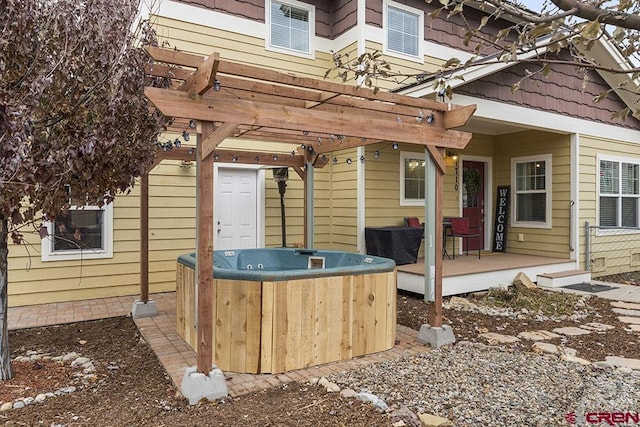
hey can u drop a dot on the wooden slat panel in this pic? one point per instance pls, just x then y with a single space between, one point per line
307 322
224 297
358 345
333 330
280 308
238 321
185 304
346 348
294 349
266 333
320 322
253 324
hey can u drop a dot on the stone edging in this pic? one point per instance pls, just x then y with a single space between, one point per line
74 360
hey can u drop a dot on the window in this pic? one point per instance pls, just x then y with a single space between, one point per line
83 233
291 27
404 31
619 193
412 179
531 178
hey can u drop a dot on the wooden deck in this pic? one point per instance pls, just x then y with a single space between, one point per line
470 274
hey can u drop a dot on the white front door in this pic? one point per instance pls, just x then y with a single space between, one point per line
236 209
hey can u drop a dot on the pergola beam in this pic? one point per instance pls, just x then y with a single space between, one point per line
216 136
266 75
203 78
219 109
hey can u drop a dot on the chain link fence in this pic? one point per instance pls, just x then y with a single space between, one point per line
611 250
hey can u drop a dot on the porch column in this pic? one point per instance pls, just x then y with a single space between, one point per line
429 228
308 206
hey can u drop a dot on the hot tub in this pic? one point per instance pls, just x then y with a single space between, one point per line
282 309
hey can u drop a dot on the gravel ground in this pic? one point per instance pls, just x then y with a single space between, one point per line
480 385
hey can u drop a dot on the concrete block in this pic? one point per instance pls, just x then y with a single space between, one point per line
197 386
436 336
140 309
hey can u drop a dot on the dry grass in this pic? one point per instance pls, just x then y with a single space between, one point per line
534 300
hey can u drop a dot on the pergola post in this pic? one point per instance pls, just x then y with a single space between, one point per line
204 255
435 333
144 307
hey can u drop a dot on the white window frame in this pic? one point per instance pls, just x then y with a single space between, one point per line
548 190
311 10
415 156
620 160
107 240
385 27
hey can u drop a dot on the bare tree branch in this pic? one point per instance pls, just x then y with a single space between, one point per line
605 16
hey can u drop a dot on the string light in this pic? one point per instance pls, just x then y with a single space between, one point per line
361 159
395 145
349 161
335 160
216 85
376 154
216 157
275 158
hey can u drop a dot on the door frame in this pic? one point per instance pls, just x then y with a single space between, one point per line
488 194
260 196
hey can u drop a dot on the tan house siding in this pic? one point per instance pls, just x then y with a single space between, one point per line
555 241
203 40
382 190
610 254
332 17
343 201
172 220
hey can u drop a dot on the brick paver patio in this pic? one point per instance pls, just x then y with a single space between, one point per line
175 355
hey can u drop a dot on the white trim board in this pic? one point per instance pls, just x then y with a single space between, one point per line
521 116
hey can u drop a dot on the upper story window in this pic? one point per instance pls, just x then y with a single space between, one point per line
403 31
531 178
619 192
291 27
412 179
82 233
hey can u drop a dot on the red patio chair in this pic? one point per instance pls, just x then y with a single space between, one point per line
460 228
412 221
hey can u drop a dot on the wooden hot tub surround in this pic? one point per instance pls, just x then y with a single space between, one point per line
272 326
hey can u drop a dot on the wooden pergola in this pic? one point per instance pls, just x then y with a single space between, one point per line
230 100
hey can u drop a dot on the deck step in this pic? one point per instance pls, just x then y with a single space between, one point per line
563 278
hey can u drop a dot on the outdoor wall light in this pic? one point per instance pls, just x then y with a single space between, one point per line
451 153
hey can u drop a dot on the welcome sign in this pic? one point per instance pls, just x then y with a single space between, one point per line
502 215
